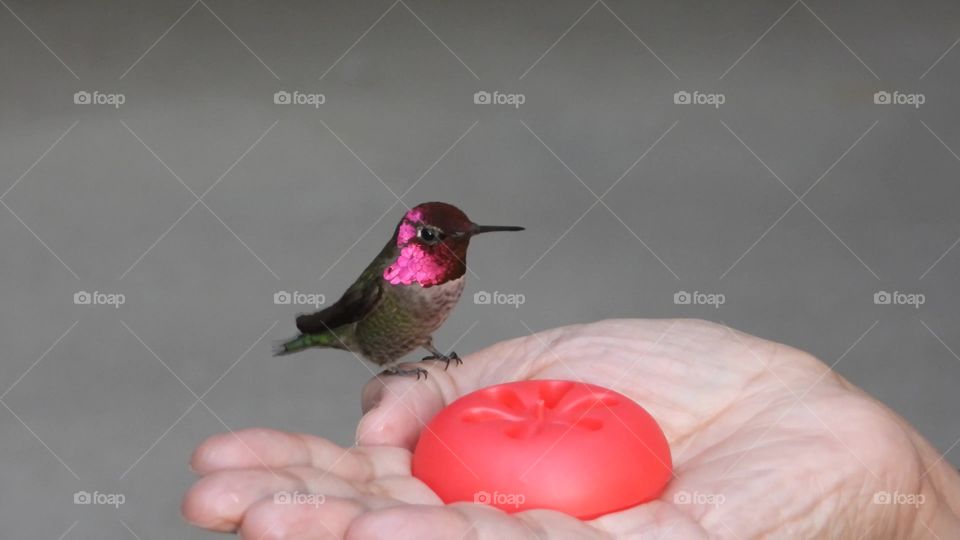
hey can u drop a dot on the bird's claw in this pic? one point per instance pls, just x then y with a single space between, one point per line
445 358
414 372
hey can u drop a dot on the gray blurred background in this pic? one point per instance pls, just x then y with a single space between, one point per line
298 198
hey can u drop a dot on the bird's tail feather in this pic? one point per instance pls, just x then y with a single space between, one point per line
303 341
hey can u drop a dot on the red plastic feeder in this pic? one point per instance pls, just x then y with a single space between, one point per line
562 445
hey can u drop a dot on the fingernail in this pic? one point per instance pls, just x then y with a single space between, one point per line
371 398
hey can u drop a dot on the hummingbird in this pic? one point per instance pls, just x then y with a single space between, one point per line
403 296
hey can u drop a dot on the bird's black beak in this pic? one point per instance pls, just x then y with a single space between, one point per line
480 229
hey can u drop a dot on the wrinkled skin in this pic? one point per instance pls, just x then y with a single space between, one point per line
727 402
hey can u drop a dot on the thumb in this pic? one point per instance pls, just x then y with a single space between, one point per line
396 408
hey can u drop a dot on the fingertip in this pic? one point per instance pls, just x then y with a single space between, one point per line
231 450
208 505
388 427
372 394
205 456
396 408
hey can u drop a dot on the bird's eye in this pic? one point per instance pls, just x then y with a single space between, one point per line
427 235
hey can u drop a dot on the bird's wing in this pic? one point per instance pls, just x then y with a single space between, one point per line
355 303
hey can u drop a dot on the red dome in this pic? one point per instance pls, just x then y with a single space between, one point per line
574 447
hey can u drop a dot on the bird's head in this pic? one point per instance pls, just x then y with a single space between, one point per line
431 242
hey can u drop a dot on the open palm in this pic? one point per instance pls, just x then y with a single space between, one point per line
766 441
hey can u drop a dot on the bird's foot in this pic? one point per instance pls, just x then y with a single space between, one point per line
445 358
414 372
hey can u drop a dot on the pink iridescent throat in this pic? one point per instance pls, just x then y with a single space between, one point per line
415 264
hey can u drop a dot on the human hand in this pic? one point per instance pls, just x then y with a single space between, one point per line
766 441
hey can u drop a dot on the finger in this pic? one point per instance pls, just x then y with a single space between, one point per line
505 361
271 449
218 501
268 520
396 408
465 521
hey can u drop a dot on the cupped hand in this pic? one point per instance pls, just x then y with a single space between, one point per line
767 441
